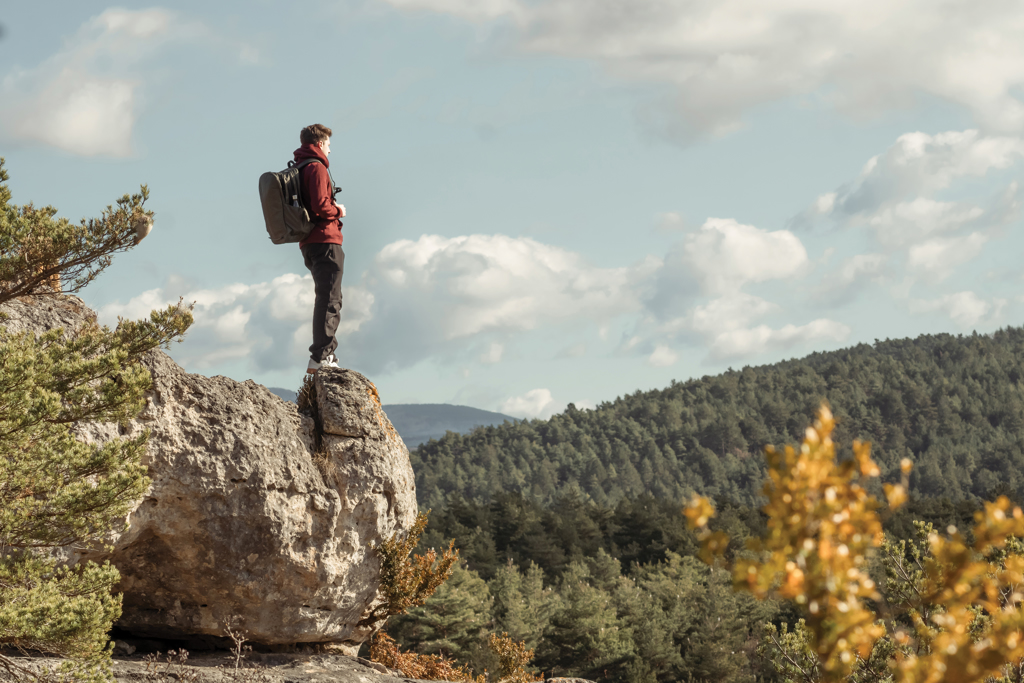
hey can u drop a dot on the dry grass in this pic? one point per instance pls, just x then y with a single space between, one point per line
513 657
323 461
385 650
306 398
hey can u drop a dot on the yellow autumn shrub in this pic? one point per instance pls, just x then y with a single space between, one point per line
960 620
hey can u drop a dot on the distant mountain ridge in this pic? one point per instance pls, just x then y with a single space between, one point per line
417 423
420 422
286 394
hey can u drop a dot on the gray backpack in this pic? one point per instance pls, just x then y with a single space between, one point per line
286 218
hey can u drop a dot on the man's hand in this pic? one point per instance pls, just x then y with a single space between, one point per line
341 207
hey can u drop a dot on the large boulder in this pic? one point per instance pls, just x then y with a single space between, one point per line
255 517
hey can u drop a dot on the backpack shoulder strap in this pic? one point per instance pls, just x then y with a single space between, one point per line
304 162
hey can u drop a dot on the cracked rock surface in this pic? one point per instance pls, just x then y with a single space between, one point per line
239 525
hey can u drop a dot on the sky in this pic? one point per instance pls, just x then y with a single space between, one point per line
549 201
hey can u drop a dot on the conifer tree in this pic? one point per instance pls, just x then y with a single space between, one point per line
451 623
56 491
584 637
522 605
652 629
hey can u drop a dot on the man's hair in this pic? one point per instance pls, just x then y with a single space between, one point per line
310 135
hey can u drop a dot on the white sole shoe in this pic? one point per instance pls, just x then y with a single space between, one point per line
329 362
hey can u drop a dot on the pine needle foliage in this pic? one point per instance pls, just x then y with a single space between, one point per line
57 609
55 490
951 607
37 247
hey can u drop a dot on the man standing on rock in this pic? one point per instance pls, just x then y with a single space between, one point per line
321 249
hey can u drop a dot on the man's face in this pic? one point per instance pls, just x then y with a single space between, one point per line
325 145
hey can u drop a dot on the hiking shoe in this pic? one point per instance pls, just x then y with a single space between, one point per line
329 362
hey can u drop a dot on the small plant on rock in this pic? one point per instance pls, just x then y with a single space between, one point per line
407 582
254 673
173 667
306 398
513 658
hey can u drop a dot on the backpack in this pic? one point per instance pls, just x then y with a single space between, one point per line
286 218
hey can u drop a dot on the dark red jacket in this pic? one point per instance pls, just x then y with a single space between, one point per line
317 198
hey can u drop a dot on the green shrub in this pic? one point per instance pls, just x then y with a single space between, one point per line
56 490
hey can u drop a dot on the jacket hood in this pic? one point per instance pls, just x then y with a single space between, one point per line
311 152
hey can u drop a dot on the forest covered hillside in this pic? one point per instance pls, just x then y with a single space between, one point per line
952 404
572 533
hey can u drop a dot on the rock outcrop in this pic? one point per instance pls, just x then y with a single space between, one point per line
252 518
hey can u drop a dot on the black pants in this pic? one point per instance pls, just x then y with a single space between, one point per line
327 263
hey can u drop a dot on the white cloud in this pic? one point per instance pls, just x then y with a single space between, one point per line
729 313
919 165
80 115
720 58
697 296
122 25
473 10
909 222
662 357
966 309
859 266
480 283
537 403
743 342
727 255
938 258
85 98
918 234
825 203
265 324
842 284
438 298
726 327
720 258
